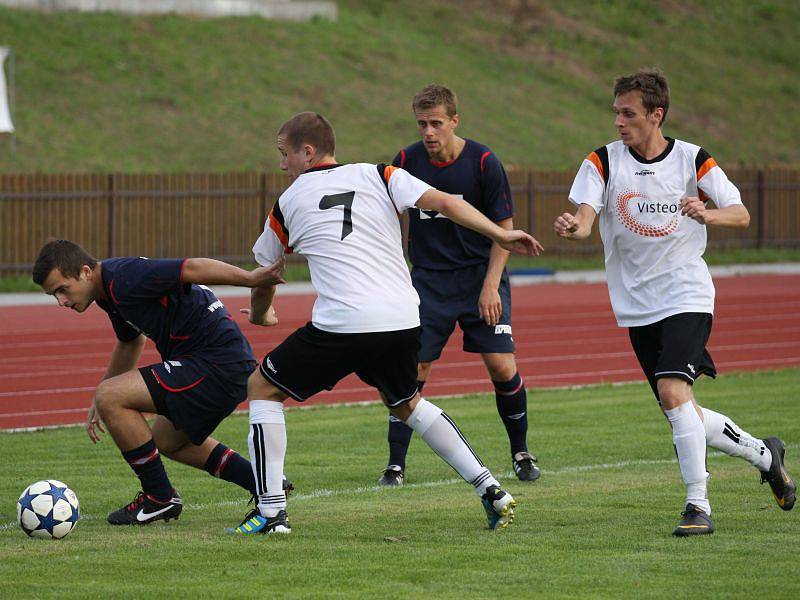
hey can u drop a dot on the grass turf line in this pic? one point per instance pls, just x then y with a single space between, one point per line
598 522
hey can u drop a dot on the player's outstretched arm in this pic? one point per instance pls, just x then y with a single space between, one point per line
730 216
466 215
207 271
577 226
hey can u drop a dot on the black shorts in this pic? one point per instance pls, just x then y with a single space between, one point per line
311 360
450 297
196 395
674 347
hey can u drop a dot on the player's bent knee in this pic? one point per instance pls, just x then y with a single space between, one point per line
259 388
107 398
673 392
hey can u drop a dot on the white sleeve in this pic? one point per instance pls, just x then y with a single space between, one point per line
268 247
404 188
719 188
588 187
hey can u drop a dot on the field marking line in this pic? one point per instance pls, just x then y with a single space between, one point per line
328 493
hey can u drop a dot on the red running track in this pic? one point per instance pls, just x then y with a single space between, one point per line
52 358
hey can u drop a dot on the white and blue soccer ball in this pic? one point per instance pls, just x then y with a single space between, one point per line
48 509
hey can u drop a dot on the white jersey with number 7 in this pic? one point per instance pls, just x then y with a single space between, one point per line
345 220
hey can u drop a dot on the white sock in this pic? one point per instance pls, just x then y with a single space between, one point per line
725 435
441 434
267 442
689 437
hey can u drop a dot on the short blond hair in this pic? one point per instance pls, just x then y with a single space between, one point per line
435 95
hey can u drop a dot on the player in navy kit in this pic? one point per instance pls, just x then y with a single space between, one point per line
202 377
459 274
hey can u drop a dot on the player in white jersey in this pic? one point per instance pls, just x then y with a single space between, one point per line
651 193
345 220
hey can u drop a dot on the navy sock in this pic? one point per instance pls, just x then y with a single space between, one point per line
229 465
512 406
400 437
146 463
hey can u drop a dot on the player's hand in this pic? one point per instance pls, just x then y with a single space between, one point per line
520 242
269 275
270 318
93 424
490 308
565 225
694 208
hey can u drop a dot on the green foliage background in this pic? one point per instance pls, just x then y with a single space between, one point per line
105 92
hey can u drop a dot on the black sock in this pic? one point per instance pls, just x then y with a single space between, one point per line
400 437
229 465
512 405
146 463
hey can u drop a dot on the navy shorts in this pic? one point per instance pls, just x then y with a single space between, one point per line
311 360
196 395
450 297
674 347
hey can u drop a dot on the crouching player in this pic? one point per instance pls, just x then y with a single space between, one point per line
206 362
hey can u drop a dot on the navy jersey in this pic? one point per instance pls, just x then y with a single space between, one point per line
184 320
477 175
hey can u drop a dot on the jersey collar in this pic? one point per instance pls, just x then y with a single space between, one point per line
659 158
325 167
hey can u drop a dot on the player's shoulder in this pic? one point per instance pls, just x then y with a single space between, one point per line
121 264
411 154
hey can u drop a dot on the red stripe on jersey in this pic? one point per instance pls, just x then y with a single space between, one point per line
595 160
705 168
402 158
483 159
442 164
111 292
278 229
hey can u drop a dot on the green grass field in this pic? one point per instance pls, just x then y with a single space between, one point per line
112 93
597 524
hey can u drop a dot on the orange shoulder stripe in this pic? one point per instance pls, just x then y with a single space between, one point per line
279 231
595 160
387 173
706 167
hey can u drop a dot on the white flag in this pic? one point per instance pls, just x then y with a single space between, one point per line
5 114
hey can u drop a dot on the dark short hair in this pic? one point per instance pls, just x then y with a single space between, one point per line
309 128
68 257
651 84
435 95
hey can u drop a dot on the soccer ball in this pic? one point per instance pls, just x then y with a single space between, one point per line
47 509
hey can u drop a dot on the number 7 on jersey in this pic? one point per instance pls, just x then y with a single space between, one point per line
344 199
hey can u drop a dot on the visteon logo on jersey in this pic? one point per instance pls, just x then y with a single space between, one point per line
645 172
649 219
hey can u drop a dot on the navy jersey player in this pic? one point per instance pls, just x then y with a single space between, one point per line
659 285
459 274
202 376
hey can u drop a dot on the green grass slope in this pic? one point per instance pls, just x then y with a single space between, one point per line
105 92
596 525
